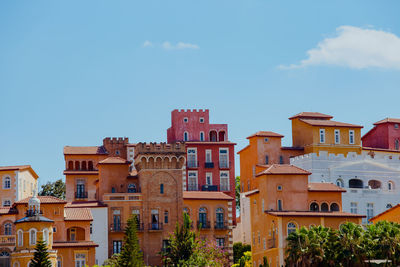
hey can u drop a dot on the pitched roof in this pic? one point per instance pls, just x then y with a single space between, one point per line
206 195
19 168
86 204
43 200
74 244
114 160
77 214
312 115
38 218
252 192
84 150
330 123
324 187
386 211
314 214
387 120
283 169
265 134
7 210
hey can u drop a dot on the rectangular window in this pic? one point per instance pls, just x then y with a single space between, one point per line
201 136
223 158
209 178
166 216
6 203
322 135
80 260
351 137
192 158
337 136
353 207
370 211
192 181
279 204
264 243
280 159
117 245
221 242
208 156
266 160
224 181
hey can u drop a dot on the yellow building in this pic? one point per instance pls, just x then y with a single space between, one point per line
390 215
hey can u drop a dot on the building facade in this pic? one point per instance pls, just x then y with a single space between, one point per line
384 135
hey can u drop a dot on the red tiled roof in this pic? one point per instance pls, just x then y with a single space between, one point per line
74 244
206 195
265 134
283 169
311 115
380 149
43 200
314 214
252 192
84 150
210 143
114 160
330 123
20 168
4 210
86 204
77 214
386 211
325 187
387 120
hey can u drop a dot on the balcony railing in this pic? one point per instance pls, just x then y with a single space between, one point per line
192 164
203 225
223 225
208 187
224 187
155 226
7 240
224 164
122 196
193 187
120 227
81 195
209 165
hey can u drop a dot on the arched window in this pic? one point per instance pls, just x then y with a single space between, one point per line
390 186
324 207
77 165
8 229
356 183
20 236
16 264
132 188
46 236
202 218
334 207
161 188
219 224
314 206
213 136
291 227
201 136
340 183
374 184
6 182
32 237
4 254
70 165
59 261
185 136
90 166
84 165
221 136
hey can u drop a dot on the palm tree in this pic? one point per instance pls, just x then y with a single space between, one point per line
350 240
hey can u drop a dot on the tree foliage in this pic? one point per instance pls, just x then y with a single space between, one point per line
351 245
238 250
245 260
237 192
55 189
41 255
130 255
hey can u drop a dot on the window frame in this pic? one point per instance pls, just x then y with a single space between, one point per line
322 136
337 136
32 230
351 137
221 178
7 182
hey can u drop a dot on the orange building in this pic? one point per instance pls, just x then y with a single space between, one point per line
284 201
390 215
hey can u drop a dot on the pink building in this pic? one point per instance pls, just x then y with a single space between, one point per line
210 161
384 135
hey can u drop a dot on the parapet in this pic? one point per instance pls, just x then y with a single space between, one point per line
350 157
160 148
190 110
116 140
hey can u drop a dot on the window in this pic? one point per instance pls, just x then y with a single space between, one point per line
262 206
370 211
223 158
314 206
213 136
356 183
155 222
192 158
201 136
264 244
396 126
8 229
7 203
117 152
161 188
59 261
280 204
201 120
389 206
203 217
266 160
166 245
186 210
80 259
224 181
192 181
32 237
220 242
132 188
219 224
291 227
209 178
208 156
374 184
279 188
136 213
390 186
6 182
265 140
324 207
185 119
20 238
280 159
340 183
334 207
351 137
396 144
337 136
259 237
54 230
46 235
72 234
80 188
166 216
322 135
353 207
185 136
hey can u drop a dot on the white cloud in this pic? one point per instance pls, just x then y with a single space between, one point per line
179 46
355 48
147 44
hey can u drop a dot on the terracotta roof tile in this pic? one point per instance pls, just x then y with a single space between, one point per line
325 187
330 123
314 214
20 168
74 244
78 214
86 204
206 195
114 160
84 150
387 120
311 115
43 200
283 169
265 134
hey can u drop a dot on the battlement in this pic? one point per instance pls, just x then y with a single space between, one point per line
351 157
190 111
116 140
160 148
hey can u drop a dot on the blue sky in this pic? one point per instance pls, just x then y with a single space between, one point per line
73 72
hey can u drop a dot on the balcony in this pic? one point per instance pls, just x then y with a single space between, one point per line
155 226
81 195
209 187
203 225
122 196
7 240
209 165
224 164
116 228
193 187
221 225
192 164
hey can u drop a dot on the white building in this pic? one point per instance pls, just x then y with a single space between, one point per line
372 182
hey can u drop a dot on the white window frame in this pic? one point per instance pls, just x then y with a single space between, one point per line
190 175
337 136
189 154
185 119
20 236
46 236
4 203
202 136
227 156
7 182
201 119
185 136
390 186
354 207
208 154
322 137
32 241
370 211
209 174
80 261
224 175
351 137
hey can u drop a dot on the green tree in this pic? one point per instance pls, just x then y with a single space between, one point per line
131 256
55 189
237 192
245 260
238 250
41 255
351 251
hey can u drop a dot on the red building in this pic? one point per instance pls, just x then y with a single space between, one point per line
384 135
210 161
